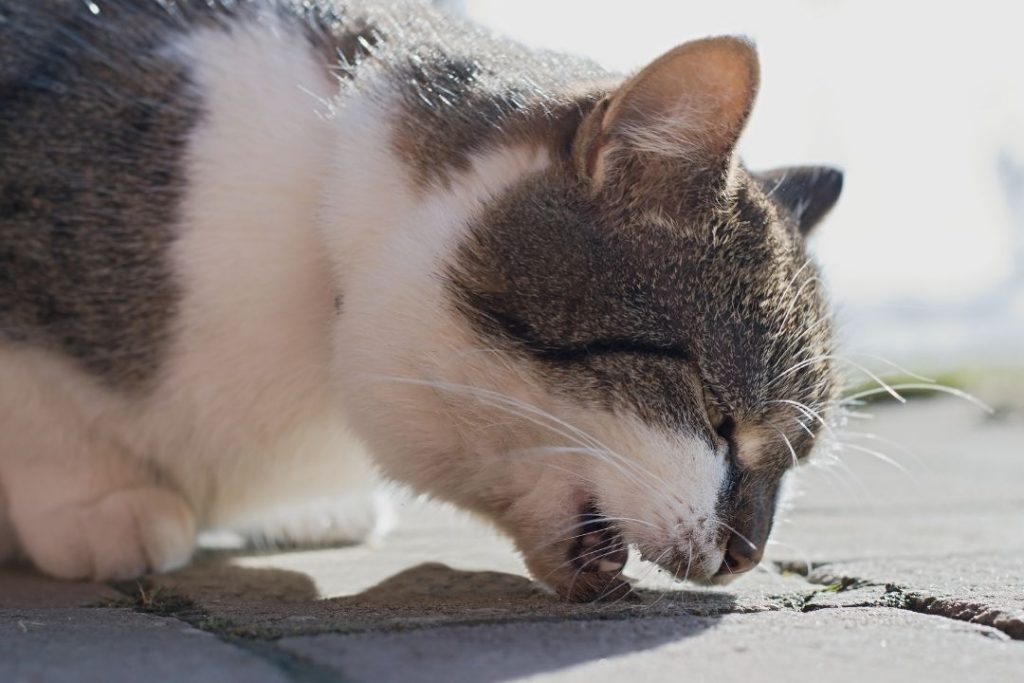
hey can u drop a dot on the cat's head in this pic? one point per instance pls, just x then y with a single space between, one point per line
629 346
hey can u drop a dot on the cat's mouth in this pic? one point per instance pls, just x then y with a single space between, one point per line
598 545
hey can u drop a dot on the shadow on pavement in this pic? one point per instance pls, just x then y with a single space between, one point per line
459 625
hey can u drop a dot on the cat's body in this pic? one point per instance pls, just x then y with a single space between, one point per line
239 241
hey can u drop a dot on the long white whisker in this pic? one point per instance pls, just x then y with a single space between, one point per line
837 468
789 444
839 359
898 368
808 412
579 523
909 452
497 400
657 567
753 546
582 437
878 454
924 387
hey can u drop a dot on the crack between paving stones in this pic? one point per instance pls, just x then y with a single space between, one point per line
900 597
146 599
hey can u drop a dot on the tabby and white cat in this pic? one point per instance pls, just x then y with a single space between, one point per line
244 244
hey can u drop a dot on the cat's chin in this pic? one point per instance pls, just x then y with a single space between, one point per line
587 565
598 545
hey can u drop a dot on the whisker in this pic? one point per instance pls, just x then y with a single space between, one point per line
580 523
909 452
939 388
770 571
528 412
840 359
604 550
753 546
840 475
656 567
896 367
878 454
578 450
849 481
576 575
789 444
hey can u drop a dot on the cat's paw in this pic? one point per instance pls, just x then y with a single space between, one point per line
120 536
335 521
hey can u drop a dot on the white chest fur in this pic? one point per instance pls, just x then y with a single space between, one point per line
294 202
243 419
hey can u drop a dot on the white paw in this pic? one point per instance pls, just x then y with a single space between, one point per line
331 521
120 536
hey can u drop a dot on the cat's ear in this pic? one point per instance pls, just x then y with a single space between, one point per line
808 193
684 110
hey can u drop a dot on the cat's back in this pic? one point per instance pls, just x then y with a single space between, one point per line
160 275
94 116
99 110
101 106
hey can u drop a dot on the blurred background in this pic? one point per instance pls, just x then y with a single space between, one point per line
920 104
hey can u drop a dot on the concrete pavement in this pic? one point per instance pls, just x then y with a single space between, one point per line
879 570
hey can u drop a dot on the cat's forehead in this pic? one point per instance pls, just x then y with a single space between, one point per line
726 289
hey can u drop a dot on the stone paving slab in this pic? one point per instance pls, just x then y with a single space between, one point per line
112 645
985 589
22 587
961 489
878 533
871 644
941 450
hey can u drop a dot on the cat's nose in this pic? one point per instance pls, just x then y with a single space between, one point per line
740 556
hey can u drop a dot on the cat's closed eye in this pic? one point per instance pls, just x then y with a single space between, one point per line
723 424
603 347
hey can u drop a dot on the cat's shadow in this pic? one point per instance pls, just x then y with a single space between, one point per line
428 622
435 622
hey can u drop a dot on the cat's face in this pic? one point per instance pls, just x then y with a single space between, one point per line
637 346
677 368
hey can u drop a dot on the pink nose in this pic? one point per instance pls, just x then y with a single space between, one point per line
740 556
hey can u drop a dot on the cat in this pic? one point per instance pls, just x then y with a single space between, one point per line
256 256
